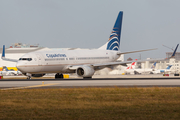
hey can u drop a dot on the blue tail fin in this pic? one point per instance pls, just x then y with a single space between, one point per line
3 52
114 39
153 66
169 67
6 68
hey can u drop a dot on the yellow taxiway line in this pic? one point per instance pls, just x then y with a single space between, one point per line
29 86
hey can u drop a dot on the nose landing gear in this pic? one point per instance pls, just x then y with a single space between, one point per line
28 77
59 76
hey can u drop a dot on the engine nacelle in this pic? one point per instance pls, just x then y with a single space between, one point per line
85 71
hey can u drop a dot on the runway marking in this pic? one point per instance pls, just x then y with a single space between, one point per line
29 86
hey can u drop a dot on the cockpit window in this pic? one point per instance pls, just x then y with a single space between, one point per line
27 59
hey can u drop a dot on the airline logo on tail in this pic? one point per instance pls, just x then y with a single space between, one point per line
169 67
114 39
153 66
132 66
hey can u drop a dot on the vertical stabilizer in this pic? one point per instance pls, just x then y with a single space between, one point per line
6 69
114 38
169 67
153 66
132 66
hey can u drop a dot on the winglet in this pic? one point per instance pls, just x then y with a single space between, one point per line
174 51
3 52
7 59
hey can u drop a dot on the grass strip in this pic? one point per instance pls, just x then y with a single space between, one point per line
91 103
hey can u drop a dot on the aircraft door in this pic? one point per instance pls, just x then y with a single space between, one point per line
39 59
75 61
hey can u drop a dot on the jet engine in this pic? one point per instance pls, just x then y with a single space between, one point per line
85 71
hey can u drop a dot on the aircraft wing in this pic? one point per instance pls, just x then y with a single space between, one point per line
7 59
99 65
123 63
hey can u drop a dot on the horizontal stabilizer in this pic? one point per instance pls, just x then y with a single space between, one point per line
120 53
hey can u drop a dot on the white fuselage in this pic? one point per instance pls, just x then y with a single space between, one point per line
58 61
131 71
161 71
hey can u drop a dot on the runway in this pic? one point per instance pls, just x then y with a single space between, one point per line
8 84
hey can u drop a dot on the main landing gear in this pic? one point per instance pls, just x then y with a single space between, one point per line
59 76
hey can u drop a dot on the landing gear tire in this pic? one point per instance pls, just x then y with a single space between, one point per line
59 76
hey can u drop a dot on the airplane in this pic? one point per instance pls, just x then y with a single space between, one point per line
163 70
5 71
82 62
116 69
140 71
147 70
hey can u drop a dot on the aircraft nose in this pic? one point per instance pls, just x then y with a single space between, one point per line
20 67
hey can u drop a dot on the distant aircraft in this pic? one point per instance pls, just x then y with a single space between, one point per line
163 70
140 71
130 69
82 62
5 71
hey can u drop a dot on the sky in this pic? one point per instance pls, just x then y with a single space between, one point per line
88 23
